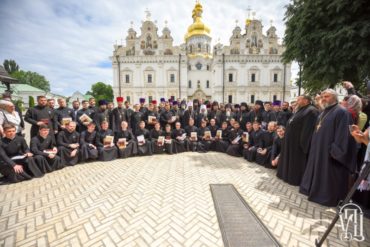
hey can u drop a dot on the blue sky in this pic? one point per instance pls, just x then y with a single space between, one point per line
69 42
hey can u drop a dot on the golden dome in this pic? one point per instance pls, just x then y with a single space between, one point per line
198 27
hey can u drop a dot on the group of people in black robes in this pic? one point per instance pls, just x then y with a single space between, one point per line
309 142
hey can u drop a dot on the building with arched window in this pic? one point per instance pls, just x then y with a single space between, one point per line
249 68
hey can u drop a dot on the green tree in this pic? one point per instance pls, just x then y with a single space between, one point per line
330 39
100 90
10 66
32 78
31 101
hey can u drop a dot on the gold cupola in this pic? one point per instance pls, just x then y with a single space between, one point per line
198 27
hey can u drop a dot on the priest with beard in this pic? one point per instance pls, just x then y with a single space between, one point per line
152 115
263 156
144 146
296 144
101 114
204 142
136 117
167 116
129 147
118 115
40 115
255 143
82 126
17 162
332 157
63 112
68 142
88 149
105 143
276 146
43 146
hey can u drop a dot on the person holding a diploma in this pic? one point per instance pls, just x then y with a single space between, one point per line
205 137
144 145
192 135
221 142
85 110
125 141
88 149
255 143
40 115
105 143
263 155
63 114
17 162
235 145
43 146
181 144
168 141
68 144
157 139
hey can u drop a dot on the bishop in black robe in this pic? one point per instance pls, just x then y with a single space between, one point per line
296 145
331 160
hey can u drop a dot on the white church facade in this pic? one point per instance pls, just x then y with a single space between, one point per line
250 68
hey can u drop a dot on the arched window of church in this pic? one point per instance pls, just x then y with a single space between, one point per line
199 46
254 39
191 49
148 41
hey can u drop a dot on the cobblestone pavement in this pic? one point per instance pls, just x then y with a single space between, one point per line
161 200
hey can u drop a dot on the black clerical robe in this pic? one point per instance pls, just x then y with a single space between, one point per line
168 143
38 147
255 142
144 148
106 153
203 144
235 149
99 116
118 115
131 145
158 148
221 144
266 143
296 145
40 114
64 140
82 127
136 118
63 112
88 147
180 145
32 166
331 158
193 143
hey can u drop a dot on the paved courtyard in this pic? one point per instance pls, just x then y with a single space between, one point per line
160 200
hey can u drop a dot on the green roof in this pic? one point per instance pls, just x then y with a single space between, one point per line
25 87
87 96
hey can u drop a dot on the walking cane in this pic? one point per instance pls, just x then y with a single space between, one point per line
363 175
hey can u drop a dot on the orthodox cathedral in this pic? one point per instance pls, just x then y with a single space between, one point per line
150 66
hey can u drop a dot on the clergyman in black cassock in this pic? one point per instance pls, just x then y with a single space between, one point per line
101 114
277 146
255 143
157 147
144 146
68 142
192 140
63 112
296 144
39 115
105 143
221 143
17 153
263 157
130 149
118 115
168 141
235 139
181 144
43 146
88 147
204 142
330 161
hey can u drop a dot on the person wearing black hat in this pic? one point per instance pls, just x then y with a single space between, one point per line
227 115
105 142
256 112
101 114
236 111
244 115
143 109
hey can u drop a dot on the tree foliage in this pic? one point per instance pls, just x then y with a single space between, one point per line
330 39
100 91
10 66
32 78
31 101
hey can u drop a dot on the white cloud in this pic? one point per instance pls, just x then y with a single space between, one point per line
66 41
